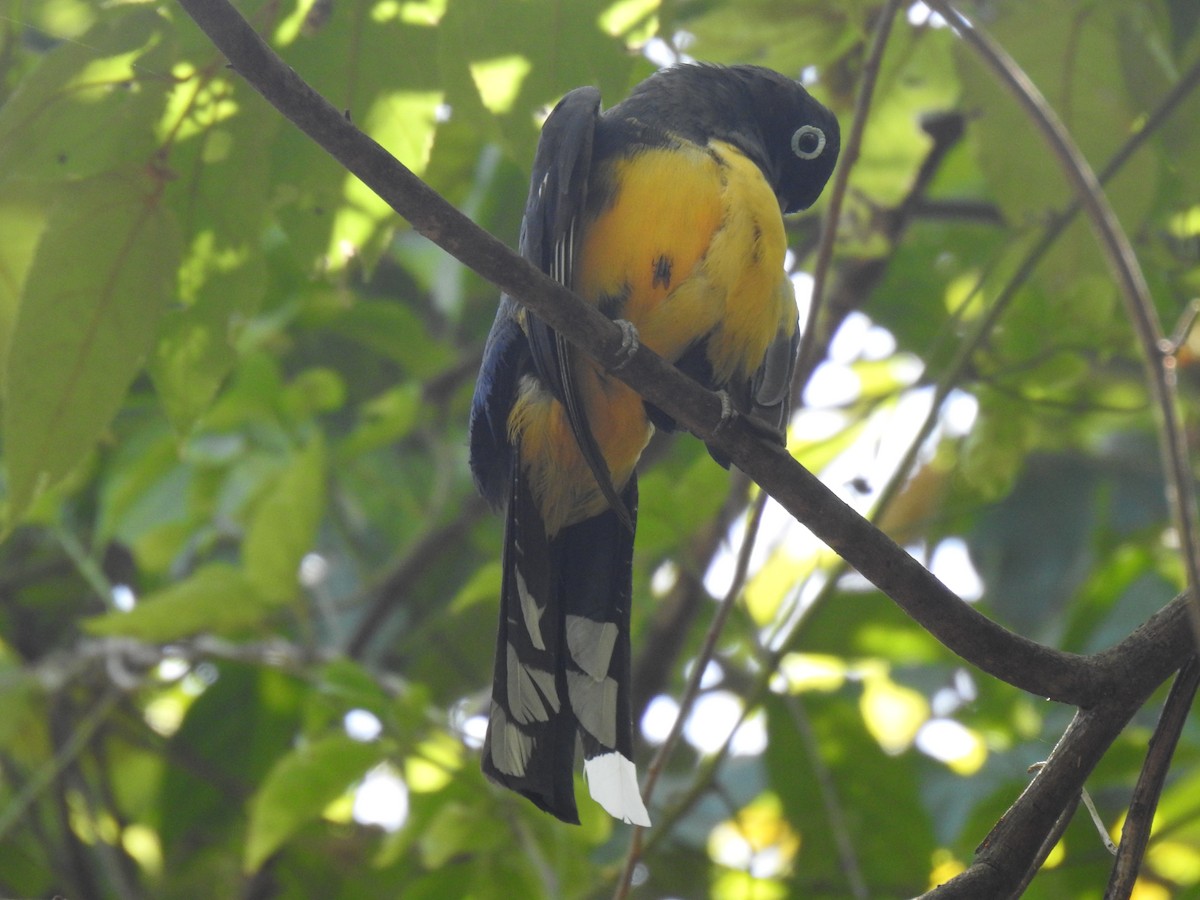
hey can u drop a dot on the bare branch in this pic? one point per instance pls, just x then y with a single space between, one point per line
1135 834
692 691
841 178
1010 851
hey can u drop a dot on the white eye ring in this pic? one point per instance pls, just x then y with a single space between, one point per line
801 133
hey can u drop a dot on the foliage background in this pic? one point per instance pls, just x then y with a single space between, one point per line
237 506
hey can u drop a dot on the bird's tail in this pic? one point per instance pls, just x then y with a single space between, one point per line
563 661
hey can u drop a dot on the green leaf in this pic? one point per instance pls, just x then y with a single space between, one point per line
500 61
221 192
91 106
892 850
1074 59
231 736
22 218
195 353
142 487
867 623
454 830
1032 548
103 273
397 332
386 419
216 598
350 685
382 70
674 499
299 788
284 525
771 33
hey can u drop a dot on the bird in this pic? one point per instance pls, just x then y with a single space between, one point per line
665 212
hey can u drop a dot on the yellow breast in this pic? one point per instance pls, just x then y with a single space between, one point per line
690 246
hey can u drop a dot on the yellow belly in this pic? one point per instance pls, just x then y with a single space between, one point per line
690 246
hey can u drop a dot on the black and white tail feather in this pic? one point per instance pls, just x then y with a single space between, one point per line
563 661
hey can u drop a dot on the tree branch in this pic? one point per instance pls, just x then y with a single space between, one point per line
1140 663
1135 834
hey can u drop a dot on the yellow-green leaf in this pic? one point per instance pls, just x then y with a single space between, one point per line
284 525
91 105
103 273
216 598
300 786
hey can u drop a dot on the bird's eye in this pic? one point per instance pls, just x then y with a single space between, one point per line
808 142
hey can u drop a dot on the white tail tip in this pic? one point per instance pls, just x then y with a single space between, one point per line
612 782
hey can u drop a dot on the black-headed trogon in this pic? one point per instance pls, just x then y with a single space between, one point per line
665 211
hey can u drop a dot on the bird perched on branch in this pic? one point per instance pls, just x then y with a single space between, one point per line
665 212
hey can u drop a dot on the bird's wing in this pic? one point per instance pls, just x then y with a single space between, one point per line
557 196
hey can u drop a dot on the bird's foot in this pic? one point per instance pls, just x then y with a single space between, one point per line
629 342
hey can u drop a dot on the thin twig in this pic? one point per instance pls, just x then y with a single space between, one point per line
692 690
424 552
85 565
1183 328
706 774
841 178
839 826
1053 836
54 767
1135 834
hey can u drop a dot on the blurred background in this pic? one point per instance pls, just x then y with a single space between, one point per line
248 594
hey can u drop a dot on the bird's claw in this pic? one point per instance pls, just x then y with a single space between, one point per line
760 427
629 343
728 413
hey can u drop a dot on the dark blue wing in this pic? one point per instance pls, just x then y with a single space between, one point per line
505 359
557 191
558 185
557 195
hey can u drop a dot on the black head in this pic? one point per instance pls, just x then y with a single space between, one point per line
769 117
801 137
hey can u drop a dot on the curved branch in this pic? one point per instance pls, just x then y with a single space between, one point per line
1181 490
